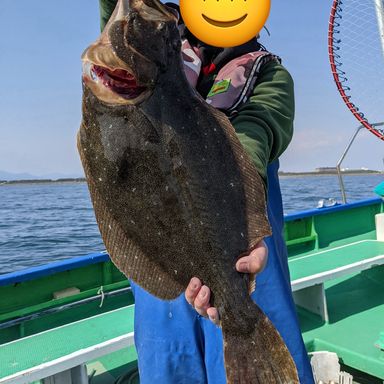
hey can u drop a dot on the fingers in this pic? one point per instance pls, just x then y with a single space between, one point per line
201 302
198 296
213 315
254 262
192 290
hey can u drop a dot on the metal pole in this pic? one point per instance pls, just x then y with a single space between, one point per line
342 188
379 6
338 166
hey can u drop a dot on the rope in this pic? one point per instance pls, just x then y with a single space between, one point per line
101 292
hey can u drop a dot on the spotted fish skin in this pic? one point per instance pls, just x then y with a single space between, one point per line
175 194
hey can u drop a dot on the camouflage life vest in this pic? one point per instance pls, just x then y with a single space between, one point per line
233 83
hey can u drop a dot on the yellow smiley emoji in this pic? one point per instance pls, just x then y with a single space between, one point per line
225 23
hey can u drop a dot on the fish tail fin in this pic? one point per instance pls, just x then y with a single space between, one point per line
259 356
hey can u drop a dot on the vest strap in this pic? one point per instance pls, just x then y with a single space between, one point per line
235 81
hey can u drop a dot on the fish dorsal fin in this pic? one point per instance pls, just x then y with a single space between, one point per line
254 188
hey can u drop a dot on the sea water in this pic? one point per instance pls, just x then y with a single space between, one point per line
44 222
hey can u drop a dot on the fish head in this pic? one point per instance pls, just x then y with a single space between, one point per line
139 43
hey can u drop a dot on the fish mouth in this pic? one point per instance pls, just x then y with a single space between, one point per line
113 85
224 24
119 81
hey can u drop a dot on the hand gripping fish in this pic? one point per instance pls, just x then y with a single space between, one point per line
174 193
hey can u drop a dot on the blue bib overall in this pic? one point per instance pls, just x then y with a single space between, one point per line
177 346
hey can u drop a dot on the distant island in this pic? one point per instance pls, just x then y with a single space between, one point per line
327 171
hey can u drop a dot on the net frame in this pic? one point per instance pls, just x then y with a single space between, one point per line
339 75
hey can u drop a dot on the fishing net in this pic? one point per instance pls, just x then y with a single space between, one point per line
356 51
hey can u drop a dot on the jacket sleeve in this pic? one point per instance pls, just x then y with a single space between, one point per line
106 9
264 124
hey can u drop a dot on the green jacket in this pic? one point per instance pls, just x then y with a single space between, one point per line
264 124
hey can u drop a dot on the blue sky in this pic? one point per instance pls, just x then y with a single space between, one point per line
40 94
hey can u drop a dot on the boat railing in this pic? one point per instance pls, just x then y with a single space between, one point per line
346 150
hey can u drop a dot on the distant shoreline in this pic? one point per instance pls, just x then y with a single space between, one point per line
330 173
281 174
43 181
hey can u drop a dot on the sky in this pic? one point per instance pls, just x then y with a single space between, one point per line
40 89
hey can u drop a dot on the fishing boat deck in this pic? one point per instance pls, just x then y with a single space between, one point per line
356 319
337 277
62 348
326 264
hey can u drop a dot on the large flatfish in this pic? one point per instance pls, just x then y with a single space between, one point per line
174 192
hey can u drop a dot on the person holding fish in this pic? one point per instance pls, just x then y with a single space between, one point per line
181 340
